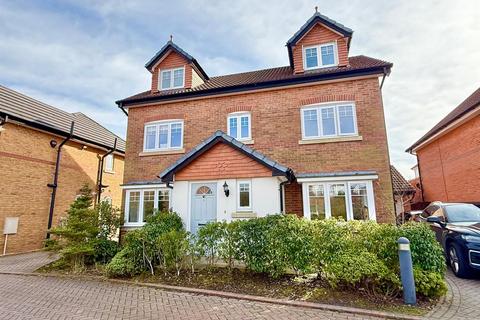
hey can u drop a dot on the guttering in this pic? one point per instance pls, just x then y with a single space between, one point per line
56 132
385 74
54 185
256 86
100 185
120 105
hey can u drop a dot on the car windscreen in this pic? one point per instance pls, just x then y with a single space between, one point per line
463 213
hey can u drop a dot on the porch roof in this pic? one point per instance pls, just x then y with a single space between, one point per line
221 137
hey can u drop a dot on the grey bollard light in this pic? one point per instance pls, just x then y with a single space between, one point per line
406 271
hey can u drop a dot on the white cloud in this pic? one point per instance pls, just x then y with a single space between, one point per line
82 56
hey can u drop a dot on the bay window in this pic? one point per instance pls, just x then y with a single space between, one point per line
329 120
347 200
163 135
140 204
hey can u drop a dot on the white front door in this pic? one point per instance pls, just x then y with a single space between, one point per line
204 205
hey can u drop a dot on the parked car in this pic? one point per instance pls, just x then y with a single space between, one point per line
457 228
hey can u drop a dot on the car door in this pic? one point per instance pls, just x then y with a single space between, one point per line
438 211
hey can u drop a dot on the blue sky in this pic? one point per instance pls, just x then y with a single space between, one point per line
84 55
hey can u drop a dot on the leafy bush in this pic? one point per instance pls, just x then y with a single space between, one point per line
350 254
173 247
429 283
141 246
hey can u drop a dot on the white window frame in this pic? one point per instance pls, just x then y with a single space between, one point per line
157 125
319 56
238 116
172 80
240 208
140 222
106 167
319 108
349 205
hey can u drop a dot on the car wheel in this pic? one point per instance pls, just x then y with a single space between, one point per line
458 261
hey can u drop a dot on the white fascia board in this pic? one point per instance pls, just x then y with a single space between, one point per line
144 186
340 178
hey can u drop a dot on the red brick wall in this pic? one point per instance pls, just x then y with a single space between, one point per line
450 165
27 164
222 161
293 199
276 131
319 34
172 60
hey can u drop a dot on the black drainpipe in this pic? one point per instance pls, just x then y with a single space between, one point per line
54 185
100 171
281 193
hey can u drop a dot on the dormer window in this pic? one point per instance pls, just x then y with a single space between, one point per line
320 56
172 78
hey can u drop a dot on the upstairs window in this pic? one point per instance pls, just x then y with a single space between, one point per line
163 135
172 78
239 126
324 55
331 120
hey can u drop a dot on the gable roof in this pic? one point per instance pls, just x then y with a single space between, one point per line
316 18
170 46
399 183
39 115
221 137
469 104
267 78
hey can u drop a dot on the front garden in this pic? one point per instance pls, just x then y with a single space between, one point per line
349 263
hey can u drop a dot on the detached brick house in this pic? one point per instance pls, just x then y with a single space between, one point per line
31 134
308 138
448 156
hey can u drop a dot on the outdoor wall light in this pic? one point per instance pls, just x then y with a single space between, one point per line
53 143
225 189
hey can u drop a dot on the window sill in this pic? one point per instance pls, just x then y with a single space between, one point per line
159 153
109 172
244 214
132 225
330 140
246 141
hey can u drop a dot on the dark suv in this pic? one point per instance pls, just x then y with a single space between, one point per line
457 227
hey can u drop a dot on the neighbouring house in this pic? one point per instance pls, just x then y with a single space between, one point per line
403 193
448 155
308 138
31 136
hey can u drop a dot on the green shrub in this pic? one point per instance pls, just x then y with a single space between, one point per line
173 247
104 250
429 283
122 265
141 246
209 238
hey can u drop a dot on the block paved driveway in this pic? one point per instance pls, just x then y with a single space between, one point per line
43 297
462 300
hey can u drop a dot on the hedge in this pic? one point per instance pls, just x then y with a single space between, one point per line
350 255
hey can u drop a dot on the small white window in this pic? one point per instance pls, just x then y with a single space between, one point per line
320 56
329 120
244 196
163 135
172 78
140 204
109 163
239 126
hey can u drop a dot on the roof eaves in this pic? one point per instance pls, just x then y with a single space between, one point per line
259 85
